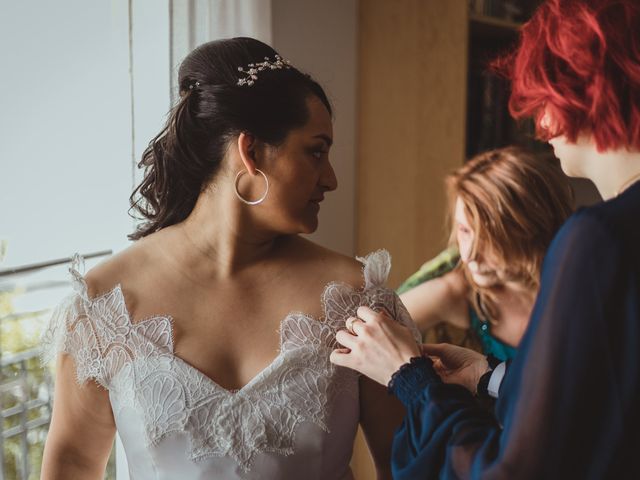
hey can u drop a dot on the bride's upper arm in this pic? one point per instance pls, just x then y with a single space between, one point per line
380 416
82 426
380 413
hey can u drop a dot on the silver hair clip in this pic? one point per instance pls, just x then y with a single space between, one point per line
193 85
253 69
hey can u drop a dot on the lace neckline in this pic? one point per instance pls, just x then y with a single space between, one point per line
370 278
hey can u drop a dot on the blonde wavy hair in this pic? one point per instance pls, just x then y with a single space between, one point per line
515 203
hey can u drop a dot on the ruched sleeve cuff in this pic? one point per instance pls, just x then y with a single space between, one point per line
412 378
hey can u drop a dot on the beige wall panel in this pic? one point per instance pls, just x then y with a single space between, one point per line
411 113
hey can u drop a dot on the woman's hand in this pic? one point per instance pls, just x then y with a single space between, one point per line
377 346
458 365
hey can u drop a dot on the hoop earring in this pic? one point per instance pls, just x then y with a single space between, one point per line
251 202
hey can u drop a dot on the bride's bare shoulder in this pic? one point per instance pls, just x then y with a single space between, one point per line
332 266
116 269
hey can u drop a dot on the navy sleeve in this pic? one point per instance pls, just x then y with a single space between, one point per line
563 403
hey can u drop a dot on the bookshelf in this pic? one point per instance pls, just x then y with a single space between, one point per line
488 123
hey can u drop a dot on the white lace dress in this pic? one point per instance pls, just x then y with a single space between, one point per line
296 419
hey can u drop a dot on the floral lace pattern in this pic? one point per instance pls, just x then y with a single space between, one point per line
136 362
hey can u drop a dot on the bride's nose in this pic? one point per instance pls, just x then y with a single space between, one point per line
328 179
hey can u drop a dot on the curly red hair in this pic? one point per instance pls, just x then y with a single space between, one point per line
580 61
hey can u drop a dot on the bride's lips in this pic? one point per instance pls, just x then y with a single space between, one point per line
317 200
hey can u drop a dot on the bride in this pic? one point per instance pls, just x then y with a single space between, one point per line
189 343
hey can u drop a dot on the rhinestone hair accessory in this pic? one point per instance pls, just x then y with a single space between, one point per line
251 74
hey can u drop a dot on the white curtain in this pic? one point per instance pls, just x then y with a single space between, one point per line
198 21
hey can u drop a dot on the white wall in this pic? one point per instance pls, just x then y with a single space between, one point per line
320 37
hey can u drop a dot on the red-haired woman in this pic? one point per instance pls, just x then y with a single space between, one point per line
568 406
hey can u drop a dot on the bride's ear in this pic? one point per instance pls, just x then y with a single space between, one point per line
247 147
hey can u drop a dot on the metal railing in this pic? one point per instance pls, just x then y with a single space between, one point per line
34 267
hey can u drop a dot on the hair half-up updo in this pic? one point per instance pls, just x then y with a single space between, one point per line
213 109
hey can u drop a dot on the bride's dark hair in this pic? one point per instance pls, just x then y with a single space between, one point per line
213 109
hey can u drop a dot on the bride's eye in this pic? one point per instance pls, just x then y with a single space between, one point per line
318 152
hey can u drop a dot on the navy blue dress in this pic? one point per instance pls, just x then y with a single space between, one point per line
569 406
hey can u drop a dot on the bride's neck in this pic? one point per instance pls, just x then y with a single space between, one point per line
220 233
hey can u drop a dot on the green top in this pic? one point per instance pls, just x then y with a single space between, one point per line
442 264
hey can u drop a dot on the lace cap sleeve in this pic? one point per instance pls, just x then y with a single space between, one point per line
70 330
342 301
375 268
